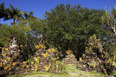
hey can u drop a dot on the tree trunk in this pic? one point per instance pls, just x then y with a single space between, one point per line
13 21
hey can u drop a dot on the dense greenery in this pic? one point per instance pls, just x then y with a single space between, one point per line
70 27
108 22
65 27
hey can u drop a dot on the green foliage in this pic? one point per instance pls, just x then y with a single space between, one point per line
69 27
64 27
27 15
106 64
25 32
3 13
108 22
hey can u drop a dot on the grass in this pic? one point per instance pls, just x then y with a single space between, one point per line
70 70
78 73
43 74
113 73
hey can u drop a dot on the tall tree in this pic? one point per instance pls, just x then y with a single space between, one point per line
3 13
69 27
13 13
109 23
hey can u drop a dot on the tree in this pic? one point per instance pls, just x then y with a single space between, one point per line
68 27
3 13
109 21
25 31
13 13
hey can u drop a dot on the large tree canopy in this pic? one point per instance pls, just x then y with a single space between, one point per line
64 27
68 27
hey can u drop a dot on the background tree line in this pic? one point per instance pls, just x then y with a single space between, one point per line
64 27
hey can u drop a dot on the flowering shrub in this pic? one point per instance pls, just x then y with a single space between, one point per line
69 51
36 67
45 61
7 65
8 61
47 67
40 46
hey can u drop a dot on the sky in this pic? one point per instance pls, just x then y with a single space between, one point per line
40 6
